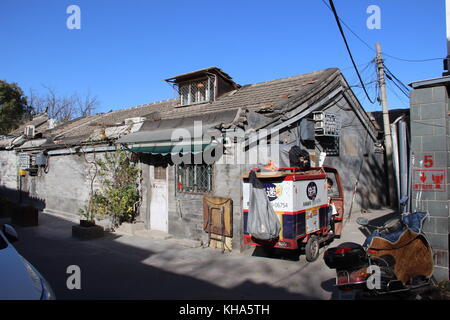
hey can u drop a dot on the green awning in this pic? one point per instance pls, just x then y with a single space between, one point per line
166 147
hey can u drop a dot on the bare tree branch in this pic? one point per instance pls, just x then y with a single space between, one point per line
86 104
63 107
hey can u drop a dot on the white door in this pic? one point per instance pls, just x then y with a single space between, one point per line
159 205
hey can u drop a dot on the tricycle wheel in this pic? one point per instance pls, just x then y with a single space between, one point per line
312 249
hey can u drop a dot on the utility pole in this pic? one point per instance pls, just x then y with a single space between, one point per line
387 128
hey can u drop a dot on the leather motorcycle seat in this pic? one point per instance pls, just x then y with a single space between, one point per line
411 255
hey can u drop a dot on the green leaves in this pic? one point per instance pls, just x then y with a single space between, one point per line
119 196
13 107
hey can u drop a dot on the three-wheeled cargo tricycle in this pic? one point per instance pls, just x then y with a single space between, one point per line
301 199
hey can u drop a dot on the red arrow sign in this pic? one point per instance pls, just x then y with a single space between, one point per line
422 177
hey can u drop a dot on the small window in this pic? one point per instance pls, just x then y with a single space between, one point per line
160 173
195 178
197 91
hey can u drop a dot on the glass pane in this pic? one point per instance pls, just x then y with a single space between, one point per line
333 190
194 178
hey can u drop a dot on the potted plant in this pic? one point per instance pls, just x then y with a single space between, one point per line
87 229
118 197
6 208
25 216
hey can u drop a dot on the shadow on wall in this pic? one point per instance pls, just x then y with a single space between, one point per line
21 198
372 184
370 174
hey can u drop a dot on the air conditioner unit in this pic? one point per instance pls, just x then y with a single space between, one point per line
29 131
318 116
327 124
319 125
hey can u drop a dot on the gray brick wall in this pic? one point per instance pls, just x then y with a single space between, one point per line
430 138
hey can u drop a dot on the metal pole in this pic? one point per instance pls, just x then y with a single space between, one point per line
403 160
447 19
387 129
395 156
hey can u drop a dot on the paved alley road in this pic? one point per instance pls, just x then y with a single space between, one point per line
129 267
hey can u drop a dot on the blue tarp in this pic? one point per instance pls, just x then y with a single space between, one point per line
413 221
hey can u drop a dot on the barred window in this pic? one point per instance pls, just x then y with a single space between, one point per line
194 178
197 91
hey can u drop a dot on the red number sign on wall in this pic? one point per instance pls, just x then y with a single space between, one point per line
427 179
428 161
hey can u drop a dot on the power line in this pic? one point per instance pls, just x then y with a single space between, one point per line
367 83
411 60
374 50
395 93
405 93
362 71
392 74
348 48
397 82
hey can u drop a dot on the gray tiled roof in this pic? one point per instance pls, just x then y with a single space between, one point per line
254 97
39 121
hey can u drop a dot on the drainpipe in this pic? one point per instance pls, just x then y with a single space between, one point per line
403 151
395 158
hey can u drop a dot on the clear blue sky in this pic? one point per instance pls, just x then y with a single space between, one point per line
125 49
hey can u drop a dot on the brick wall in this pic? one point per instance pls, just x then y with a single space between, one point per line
430 146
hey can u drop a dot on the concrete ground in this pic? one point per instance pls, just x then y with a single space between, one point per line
131 267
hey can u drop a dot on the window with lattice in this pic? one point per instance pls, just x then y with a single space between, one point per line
196 178
198 91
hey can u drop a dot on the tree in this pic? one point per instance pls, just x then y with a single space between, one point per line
14 109
63 107
119 196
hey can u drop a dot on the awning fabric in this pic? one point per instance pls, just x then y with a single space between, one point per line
166 147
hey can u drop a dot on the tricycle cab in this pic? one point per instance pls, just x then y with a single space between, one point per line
299 198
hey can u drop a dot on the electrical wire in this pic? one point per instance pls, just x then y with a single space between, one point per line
374 50
399 84
348 49
405 93
367 83
411 60
392 75
372 82
395 93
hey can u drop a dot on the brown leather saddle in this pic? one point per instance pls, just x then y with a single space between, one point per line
409 256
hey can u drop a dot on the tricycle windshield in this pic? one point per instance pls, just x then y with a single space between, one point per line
333 191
